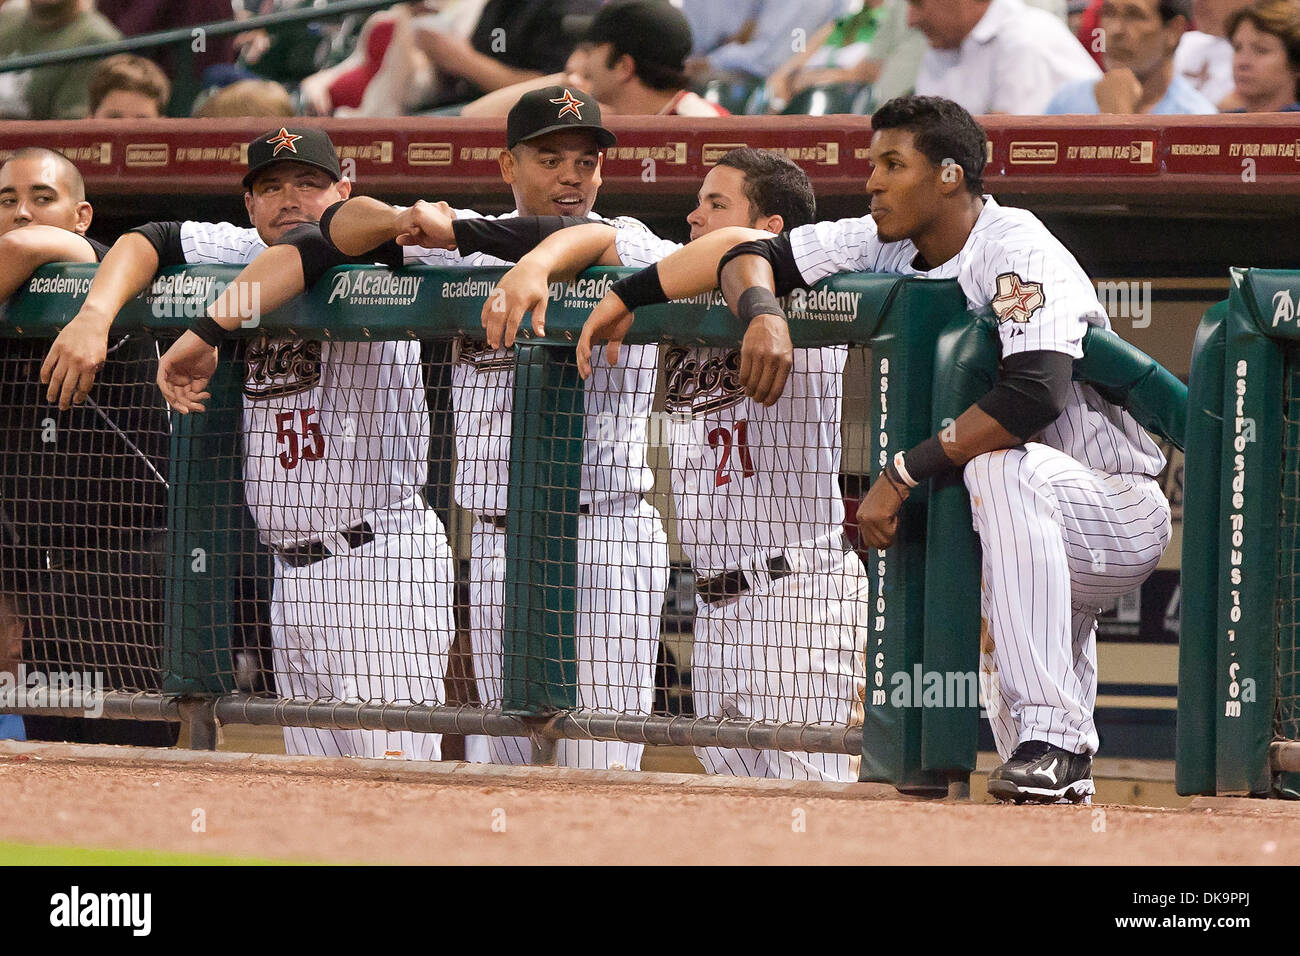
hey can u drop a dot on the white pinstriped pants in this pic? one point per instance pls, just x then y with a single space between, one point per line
371 624
622 575
792 650
1060 541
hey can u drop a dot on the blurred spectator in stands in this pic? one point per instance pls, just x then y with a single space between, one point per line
755 38
1085 23
1204 56
632 59
136 17
127 86
50 92
386 75
1265 57
247 98
513 41
1001 56
847 51
285 54
1141 37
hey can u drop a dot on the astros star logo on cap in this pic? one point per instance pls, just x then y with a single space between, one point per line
570 104
284 141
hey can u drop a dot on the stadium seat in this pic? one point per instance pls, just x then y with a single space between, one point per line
864 104
731 93
822 100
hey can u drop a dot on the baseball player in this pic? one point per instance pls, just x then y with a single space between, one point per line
335 457
552 163
81 507
1062 483
780 625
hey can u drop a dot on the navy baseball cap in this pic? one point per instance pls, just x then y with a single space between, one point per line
554 108
302 144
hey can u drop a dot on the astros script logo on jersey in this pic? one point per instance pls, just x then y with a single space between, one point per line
281 366
702 381
1017 299
284 140
482 357
569 104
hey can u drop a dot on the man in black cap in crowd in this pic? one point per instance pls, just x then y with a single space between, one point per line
632 59
552 163
335 443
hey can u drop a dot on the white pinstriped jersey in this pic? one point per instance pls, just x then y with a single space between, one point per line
332 430
747 479
1043 300
618 401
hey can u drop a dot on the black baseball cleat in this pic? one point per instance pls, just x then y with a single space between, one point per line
1040 773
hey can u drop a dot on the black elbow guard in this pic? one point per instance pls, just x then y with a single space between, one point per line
318 256
1030 393
509 239
778 253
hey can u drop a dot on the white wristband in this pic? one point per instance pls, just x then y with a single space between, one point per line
901 468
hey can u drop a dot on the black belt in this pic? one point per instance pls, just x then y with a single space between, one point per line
499 521
313 551
731 584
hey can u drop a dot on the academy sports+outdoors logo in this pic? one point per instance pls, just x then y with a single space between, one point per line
375 288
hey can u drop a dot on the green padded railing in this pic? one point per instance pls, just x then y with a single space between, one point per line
1240 643
898 318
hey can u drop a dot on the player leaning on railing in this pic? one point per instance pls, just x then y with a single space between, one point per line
82 507
781 602
552 162
336 442
1062 483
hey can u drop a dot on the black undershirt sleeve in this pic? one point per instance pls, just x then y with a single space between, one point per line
318 256
509 239
165 237
100 249
1030 393
779 253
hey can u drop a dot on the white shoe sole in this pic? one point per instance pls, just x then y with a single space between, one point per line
1080 791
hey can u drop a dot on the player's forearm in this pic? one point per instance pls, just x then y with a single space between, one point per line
361 224
563 254
265 284
742 273
125 272
693 269
22 251
974 433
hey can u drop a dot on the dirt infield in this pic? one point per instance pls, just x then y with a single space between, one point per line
318 810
